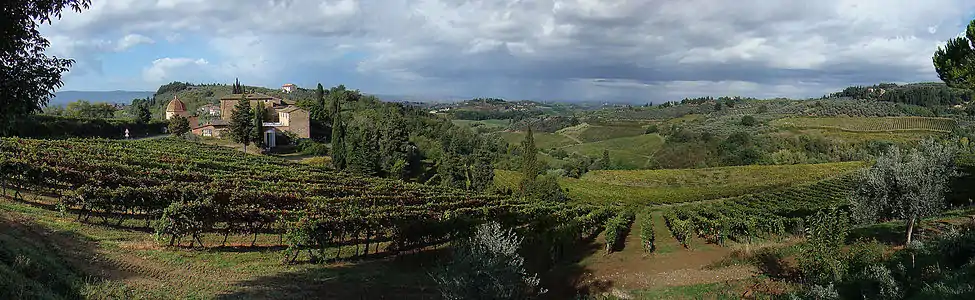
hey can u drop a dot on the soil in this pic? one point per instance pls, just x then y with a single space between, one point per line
632 268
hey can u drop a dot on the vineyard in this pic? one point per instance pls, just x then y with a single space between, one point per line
190 192
871 124
762 215
653 187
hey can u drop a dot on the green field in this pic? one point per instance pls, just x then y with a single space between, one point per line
642 187
492 123
627 152
876 124
543 140
591 133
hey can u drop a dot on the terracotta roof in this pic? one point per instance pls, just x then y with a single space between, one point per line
176 106
288 84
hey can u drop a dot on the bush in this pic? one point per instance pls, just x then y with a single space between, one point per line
310 147
44 126
820 261
487 266
748 121
652 129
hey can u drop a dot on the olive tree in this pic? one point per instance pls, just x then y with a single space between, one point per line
905 185
487 266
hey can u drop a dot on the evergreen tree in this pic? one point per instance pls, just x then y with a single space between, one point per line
320 95
237 88
144 115
338 142
606 162
955 62
361 153
529 163
179 126
257 125
241 121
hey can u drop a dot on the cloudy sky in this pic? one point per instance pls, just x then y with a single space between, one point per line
611 50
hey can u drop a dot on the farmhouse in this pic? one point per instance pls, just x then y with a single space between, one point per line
281 117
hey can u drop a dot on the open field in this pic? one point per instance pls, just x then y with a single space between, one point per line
875 124
490 123
543 140
592 133
647 187
627 152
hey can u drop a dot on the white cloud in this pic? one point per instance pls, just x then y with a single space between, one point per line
540 48
131 40
169 69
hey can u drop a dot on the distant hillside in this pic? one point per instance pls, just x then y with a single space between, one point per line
63 97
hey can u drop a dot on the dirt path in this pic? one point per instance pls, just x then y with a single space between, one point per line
574 139
670 265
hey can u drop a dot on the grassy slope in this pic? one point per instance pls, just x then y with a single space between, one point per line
139 268
642 187
627 152
591 133
29 269
487 123
543 140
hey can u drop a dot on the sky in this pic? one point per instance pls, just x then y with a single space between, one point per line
568 50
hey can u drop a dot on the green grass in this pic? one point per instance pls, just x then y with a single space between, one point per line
543 140
718 290
492 123
627 152
157 272
871 124
590 133
643 187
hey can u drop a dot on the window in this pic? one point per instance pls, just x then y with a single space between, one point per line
207 132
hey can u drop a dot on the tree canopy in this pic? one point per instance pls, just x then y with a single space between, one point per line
905 185
955 62
241 122
30 77
179 126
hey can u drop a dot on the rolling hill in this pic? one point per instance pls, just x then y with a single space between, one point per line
63 97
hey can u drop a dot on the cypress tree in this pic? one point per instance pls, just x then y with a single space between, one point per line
338 142
241 122
529 162
257 125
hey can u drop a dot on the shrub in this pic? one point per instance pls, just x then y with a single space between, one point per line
487 266
820 261
310 147
652 129
748 121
